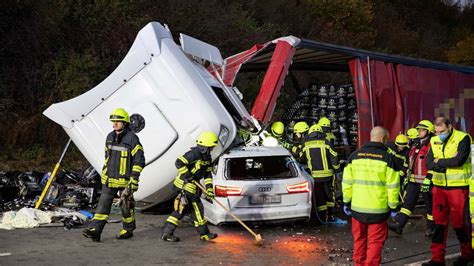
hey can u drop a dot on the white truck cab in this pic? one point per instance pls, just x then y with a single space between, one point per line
172 97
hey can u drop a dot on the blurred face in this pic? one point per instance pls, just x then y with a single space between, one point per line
443 129
118 125
422 133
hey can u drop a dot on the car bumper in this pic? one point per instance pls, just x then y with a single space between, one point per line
216 215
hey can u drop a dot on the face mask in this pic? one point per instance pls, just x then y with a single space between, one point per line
443 136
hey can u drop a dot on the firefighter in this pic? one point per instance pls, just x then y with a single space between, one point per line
192 166
418 180
450 160
370 187
322 163
299 134
124 161
399 150
325 124
277 130
412 135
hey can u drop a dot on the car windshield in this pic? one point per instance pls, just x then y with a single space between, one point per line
261 168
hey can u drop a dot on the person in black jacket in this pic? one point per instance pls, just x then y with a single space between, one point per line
192 167
124 161
322 162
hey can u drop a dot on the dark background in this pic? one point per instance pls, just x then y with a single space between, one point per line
51 51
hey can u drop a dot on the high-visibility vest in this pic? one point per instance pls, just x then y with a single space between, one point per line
454 176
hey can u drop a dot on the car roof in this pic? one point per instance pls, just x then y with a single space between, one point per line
256 151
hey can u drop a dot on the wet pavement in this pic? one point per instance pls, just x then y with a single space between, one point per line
284 244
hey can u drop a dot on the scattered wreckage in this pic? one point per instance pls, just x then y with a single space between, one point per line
70 194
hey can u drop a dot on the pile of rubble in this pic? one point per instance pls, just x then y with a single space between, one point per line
68 198
70 189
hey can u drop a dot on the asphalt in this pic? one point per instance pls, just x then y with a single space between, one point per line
284 244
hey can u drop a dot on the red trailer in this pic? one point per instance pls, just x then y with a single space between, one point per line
392 91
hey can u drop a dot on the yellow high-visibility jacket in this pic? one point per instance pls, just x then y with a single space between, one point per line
454 167
370 184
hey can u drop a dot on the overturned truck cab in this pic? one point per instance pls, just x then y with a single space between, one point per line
170 96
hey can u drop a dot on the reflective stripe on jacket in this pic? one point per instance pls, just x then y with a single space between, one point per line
320 156
370 183
455 176
124 158
193 166
417 161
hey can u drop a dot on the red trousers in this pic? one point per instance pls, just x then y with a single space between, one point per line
368 242
450 206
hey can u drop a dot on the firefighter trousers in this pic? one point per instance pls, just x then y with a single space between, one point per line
451 206
409 201
185 203
104 205
368 242
324 198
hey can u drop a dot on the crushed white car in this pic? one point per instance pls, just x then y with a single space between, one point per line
260 184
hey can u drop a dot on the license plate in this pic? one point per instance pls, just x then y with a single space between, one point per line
265 198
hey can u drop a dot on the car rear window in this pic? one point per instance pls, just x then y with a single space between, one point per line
260 168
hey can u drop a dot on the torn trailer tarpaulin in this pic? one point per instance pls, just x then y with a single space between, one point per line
392 91
398 96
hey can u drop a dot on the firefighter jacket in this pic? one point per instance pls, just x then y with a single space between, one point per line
370 183
124 158
399 160
320 156
454 167
193 166
331 138
417 162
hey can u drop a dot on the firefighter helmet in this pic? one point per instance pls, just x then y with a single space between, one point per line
412 133
401 140
207 139
324 122
119 114
277 128
315 128
426 124
300 127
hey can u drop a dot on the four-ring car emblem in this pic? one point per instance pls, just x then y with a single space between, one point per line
264 189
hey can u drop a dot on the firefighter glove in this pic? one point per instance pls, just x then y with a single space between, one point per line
133 184
210 194
347 210
425 187
393 213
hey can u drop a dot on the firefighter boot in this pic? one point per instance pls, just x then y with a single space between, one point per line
167 235
170 238
124 234
208 236
92 233
395 227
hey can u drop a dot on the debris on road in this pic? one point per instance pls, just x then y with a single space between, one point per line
71 189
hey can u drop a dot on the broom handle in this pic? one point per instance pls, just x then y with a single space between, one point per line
51 178
228 211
